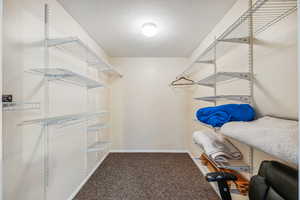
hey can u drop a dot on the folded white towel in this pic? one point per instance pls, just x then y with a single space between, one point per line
216 147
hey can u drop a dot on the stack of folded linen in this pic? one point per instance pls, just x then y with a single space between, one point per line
216 147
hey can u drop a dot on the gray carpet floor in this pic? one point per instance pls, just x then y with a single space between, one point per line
147 176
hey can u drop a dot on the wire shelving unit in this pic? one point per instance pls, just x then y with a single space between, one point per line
81 51
263 14
239 35
259 17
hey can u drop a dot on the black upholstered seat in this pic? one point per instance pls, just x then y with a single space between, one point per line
274 181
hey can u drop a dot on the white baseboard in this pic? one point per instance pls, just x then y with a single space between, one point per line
87 178
148 151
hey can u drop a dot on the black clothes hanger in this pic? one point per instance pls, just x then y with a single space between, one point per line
189 82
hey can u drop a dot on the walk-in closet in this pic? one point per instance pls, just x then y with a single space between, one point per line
149 100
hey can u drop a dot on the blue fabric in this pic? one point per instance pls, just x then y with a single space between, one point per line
219 115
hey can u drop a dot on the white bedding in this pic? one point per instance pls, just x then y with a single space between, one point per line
274 136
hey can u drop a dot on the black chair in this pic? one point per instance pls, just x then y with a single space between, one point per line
275 181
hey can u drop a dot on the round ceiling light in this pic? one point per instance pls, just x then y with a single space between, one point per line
149 29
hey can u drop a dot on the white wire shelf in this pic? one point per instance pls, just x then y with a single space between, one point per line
96 127
237 165
77 48
98 146
65 119
240 98
59 74
20 106
268 12
223 76
264 14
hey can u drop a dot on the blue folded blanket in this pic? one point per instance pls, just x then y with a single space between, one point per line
219 115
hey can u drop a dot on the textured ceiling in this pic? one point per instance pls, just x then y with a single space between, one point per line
116 24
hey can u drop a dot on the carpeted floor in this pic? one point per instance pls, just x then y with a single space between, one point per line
147 176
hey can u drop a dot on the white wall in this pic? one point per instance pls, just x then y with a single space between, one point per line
25 146
147 113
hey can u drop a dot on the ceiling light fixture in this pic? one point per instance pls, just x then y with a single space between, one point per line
149 29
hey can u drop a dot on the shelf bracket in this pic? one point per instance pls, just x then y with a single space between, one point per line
204 84
239 75
244 40
211 62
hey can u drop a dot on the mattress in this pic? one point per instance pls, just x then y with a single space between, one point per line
274 136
